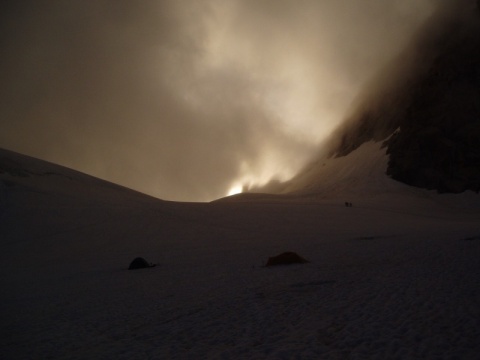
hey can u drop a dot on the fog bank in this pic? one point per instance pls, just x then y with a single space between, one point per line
185 100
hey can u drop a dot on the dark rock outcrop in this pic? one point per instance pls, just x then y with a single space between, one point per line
429 110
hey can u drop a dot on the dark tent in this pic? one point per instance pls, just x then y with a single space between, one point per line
139 263
286 258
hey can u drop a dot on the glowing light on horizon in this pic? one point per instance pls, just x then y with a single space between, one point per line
234 190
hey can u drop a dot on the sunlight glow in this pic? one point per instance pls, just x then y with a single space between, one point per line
280 81
234 190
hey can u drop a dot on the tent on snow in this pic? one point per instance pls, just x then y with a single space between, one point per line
286 258
140 263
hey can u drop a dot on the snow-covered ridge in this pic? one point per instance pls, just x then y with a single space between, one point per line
20 170
362 172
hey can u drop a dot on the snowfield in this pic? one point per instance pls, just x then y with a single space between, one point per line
395 276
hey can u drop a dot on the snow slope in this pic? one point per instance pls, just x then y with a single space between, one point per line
361 175
393 277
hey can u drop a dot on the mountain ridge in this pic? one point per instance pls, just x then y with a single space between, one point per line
431 95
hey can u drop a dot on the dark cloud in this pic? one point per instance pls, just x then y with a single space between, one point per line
182 100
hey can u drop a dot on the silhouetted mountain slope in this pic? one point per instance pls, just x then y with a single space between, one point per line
21 173
431 95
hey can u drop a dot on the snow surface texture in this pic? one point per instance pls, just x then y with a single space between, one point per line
395 276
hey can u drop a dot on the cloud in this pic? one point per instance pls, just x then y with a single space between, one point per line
183 100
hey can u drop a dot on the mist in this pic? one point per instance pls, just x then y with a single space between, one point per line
188 100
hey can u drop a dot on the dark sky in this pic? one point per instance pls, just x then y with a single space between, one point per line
184 100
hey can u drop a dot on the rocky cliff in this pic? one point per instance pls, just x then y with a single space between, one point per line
426 106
